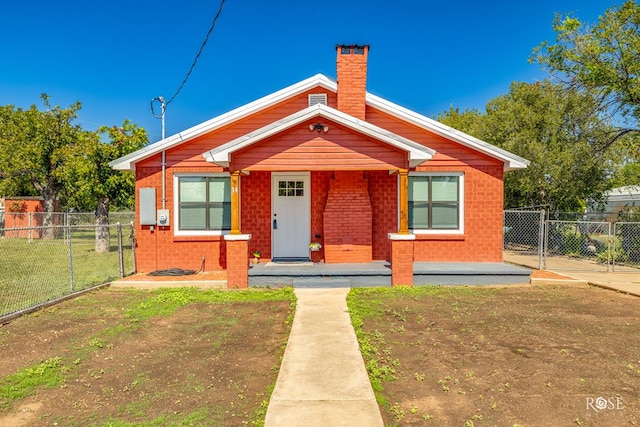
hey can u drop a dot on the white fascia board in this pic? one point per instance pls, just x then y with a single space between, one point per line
128 162
417 153
511 161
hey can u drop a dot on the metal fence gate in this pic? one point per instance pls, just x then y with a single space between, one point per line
577 245
531 239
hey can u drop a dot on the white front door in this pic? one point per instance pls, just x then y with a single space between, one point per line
291 214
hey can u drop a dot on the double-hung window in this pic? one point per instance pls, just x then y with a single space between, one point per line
436 202
203 204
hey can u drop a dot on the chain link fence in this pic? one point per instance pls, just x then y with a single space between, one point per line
40 264
625 246
523 235
578 243
32 220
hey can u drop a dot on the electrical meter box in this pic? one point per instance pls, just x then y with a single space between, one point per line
163 217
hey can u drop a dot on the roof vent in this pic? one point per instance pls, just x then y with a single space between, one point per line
317 98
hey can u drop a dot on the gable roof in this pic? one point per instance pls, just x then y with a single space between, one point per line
510 160
417 153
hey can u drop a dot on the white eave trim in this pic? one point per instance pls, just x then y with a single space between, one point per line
511 161
418 153
128 162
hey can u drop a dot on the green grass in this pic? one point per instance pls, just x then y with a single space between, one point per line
200 417
165 302
39 270
155 304
370 303
47 374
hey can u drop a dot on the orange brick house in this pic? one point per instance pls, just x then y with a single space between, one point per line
319 161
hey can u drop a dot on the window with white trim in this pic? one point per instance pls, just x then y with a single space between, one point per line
436 202
203 204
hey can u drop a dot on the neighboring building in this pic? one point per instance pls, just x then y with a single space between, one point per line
319 161
20 217
1 212
619 203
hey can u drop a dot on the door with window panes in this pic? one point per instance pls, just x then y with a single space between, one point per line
291 215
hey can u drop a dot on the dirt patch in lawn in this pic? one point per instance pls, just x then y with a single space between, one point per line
507 356
169 357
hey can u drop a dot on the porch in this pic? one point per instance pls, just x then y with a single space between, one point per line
378 273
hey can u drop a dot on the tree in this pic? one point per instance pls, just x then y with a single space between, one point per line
35 148
603 59
557 131
627 171
94 185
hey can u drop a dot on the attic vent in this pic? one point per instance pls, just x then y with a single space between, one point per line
317 98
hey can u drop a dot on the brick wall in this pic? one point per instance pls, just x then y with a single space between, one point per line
402 262
351 71
255 211
482 239
384 206
237 263
159 249
319 192
347 219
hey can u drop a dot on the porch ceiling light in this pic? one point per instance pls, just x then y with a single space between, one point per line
319 127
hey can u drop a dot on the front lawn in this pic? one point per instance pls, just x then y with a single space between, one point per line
140 358
501 356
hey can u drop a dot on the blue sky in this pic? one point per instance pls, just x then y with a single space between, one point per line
115 56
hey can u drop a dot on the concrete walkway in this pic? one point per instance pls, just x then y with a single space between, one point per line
322 380
584 271
628 283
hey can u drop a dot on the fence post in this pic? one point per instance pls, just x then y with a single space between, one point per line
133 247
541 240
70 257
545 247
120 251
609 252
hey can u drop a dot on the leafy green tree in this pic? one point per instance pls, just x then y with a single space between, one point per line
554 129
603 59
93 185
35 148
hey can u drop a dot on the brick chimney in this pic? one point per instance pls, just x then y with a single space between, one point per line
347 219
352 79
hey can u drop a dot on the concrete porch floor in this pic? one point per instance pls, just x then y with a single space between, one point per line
321 275
313 275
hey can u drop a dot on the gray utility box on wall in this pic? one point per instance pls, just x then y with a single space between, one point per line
148 206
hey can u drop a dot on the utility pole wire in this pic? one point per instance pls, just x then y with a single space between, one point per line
193 65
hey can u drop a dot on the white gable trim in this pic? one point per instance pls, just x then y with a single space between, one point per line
511 161
418 153
128 162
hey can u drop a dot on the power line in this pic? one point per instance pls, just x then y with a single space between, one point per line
195 60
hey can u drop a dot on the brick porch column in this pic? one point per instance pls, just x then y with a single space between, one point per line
401 259
237 260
